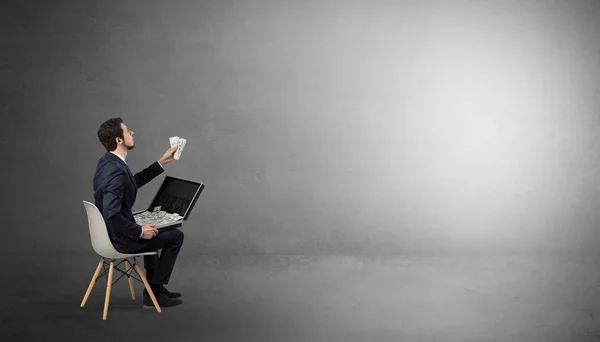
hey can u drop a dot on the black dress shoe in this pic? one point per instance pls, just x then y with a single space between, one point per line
162 299
166 292
169 294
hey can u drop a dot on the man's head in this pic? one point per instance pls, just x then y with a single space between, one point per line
115 135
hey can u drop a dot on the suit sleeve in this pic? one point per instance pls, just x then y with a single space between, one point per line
112 202
147 174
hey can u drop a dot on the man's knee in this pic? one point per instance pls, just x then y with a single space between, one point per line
173 237
178 235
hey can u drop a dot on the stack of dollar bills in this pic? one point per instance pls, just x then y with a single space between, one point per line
179 143
158 217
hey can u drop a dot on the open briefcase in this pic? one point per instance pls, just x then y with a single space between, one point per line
172 204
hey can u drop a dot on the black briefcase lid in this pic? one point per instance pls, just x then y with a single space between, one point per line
177 195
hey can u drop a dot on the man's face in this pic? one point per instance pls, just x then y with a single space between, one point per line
128 135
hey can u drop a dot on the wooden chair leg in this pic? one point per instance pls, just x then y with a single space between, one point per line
89 289
128 268
108 287
141 273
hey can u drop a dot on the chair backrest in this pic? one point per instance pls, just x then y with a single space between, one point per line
98 232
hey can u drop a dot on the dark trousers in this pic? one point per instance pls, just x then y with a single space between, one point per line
159 269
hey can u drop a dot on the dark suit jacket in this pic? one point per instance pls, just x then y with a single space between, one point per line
115 190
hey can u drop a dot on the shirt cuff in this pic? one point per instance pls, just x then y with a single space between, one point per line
160 164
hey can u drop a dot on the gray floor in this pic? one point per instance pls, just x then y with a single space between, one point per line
313 298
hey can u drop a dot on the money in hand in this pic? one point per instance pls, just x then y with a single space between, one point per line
173 141
179 143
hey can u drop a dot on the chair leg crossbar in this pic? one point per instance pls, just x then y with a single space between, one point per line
127 272
111 267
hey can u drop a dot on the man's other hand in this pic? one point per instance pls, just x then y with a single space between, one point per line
149 231
168 156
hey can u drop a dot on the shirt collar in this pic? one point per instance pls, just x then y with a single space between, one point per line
123 159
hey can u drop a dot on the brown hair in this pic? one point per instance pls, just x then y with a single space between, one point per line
109 131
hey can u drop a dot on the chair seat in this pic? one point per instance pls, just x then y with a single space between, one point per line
99 235
118 255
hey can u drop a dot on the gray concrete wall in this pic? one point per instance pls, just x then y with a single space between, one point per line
318 127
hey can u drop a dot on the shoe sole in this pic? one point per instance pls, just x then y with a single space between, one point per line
151 307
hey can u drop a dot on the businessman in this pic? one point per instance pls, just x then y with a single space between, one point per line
115 190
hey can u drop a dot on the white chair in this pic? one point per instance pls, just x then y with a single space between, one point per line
104 247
